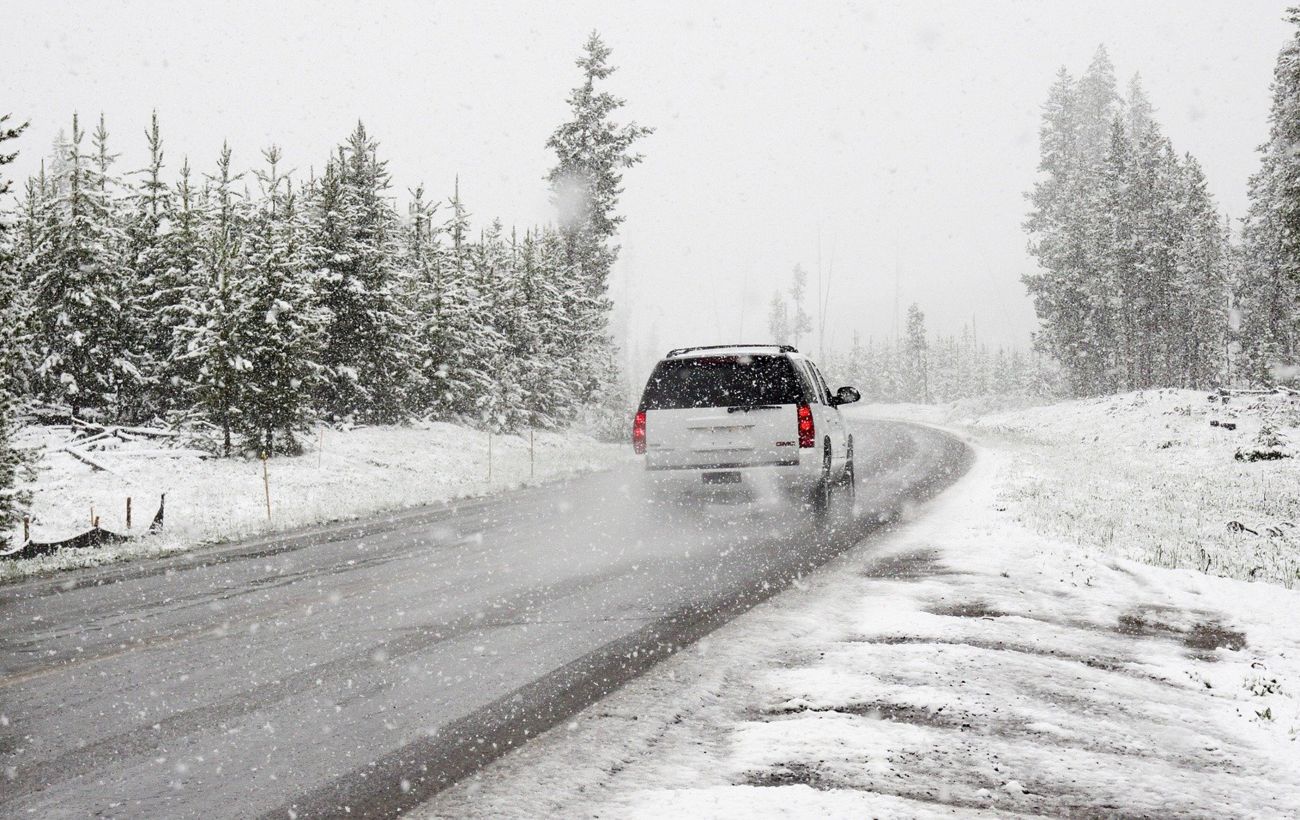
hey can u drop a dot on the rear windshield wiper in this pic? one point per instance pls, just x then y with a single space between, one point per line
745 408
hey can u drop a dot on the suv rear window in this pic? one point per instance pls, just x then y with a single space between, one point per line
722 381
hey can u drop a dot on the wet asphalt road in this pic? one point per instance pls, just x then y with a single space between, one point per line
357 669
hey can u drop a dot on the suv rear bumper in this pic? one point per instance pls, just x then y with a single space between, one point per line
798 475
720 466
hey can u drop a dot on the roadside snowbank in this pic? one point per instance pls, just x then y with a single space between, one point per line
964 664
354 473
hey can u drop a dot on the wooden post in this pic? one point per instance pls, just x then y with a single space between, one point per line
93 519
531 458
320 445
27 528
266 484
128 512
489 477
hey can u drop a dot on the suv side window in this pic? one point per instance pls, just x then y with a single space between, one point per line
821 383
811 390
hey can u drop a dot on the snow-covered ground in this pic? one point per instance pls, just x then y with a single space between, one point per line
971 662
343 474
1153 475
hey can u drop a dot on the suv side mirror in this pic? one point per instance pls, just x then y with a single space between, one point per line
845 395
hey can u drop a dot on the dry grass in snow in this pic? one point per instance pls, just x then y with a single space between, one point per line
1148 476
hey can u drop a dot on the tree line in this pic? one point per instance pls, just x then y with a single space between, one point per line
1264 320
258 302
912 367
923 369
1133 289
1140 282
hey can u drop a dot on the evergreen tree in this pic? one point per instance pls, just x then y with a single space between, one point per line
354 247
210 335
490 286
1059 236
541 376
915 357
83 351
570 320
423 257
1112 286
279 324
1129 288
1269 287
1140 112
1098 104
181 298
13 501
778 320
459 346
592 151
1202 266
153 312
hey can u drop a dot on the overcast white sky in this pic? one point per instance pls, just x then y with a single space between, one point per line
903 134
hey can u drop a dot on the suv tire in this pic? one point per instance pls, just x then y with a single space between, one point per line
823 491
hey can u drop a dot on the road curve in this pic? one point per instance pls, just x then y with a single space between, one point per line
358 669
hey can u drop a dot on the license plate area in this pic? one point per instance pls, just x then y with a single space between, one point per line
722 478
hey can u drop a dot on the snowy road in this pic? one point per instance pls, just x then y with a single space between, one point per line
395 655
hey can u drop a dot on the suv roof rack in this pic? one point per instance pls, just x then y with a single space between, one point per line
680 350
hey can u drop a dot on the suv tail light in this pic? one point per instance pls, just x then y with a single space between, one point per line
638 433
807 436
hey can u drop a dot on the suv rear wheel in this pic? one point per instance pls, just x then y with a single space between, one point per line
850 477
823 491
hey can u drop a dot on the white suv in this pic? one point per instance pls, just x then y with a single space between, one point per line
745 414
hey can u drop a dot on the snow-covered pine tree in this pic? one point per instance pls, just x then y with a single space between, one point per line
491 287
1139 112
1113 284
1202 286
354 247
34 215
1057 234
537 336
209 336
31 238
81 344
128 354
592 151
1073 293
1109 215
778 320
865 371
457 337
13 501
184 310
1267 293
566 322
422 257
1098 104
157 293
915 357
280 326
